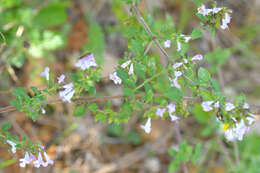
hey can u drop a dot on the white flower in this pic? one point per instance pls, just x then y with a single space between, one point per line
229 106
61 78
171 108
115 78
197 57
26 160
43 111
237 132
216 105
178 46
45 73
225 21
173 117
177 74
68 93
147 127
160 112
86 62
131 69
216 10
186 38
13 145
246 106
207 105
167 44
125 64
175 83
229 135
177 65
48 160
202 10
39 162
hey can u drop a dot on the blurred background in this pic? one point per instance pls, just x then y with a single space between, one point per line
54 33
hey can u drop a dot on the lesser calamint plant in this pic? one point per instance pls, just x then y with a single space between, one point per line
169 90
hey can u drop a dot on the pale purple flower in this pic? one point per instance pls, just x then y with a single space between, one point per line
167 44
171 108
48 160
115 78
175 83
86 62
61 78
197 57
178 46
237 132
177 74
207 105
225 21
177 65
173 117
131 69
202 10
216 105
147 127
229 106
13 145
125 64
68 93
246 106
216 10
185 61
37 163
26 160
160 112
45 73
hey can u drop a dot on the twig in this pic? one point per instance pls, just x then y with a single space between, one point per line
148 30
88 99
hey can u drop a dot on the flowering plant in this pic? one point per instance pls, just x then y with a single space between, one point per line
171 84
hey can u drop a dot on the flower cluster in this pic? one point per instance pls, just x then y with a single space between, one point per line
29 157
239 128
160 112
206 12
115 78
167 43
67 93
86 62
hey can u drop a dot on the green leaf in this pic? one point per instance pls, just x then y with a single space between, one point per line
93 107
80 111
204 77
96 40
140 69
174 94
136 46
100 116
115 130
174 165
128 92
200 115
16 104
52 15
196 33
6 126
20 92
